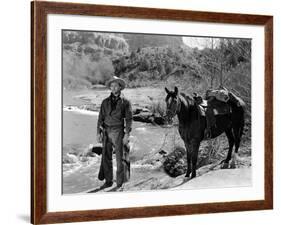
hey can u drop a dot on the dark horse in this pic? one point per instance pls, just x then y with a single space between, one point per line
192 126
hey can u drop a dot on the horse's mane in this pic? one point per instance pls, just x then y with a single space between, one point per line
186 99
189 103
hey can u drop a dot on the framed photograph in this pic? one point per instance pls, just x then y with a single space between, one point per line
144 112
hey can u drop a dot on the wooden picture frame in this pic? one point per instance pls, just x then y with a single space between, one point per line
40 11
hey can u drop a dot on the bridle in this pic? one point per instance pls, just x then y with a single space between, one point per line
172 112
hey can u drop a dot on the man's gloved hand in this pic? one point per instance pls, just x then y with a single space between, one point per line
126 138
99 138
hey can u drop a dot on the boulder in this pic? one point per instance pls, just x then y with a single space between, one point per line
148 117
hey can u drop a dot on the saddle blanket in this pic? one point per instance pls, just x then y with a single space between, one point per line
219 108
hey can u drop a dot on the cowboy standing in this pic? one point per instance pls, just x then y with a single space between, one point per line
113 129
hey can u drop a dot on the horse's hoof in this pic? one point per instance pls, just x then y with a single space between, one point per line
225 165
187 174
232 165
193 176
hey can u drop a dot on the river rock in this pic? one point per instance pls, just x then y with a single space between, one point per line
148 117
140 110
90 107
159 120
69 158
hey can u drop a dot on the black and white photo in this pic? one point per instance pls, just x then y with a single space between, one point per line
151 112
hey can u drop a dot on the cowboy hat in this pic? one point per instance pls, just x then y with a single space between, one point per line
118 80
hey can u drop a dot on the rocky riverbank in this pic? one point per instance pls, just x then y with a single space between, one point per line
157 156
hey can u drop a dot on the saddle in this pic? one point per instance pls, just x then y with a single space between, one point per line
224 95
217 102
218 107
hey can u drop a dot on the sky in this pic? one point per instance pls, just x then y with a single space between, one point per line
200 42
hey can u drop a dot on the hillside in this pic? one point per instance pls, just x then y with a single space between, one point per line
138 41
91 58
88 57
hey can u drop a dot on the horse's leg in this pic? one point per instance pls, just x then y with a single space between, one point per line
230 138
237 139
194 148
188 159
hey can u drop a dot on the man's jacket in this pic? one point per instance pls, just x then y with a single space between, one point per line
118 116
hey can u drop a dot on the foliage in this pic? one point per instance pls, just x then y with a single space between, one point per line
82 72
87 57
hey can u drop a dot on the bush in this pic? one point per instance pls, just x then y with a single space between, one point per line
144 65
75 83
83 70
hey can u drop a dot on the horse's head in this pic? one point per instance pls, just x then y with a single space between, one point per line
172 103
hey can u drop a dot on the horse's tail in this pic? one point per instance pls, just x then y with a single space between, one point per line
242 124
241 120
